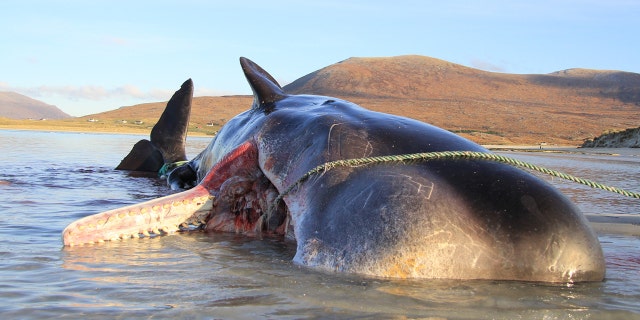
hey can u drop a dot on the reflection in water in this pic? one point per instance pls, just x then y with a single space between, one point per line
236 275
51 182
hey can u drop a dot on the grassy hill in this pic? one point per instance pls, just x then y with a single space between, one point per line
564 107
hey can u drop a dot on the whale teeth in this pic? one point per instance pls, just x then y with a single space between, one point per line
156 216
170 229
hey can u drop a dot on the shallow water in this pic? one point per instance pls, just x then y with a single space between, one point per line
48 180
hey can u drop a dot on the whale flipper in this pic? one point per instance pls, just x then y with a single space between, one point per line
142 157
168 136
266 90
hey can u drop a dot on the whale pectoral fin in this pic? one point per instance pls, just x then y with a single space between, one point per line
170 132
168 136
142 157
266 90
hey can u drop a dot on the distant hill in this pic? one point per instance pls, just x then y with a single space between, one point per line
564 107
208 114
16 106
425 78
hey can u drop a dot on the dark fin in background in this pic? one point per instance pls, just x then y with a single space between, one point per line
168 136
266 89
143 157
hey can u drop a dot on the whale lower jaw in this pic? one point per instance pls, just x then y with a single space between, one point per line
163 215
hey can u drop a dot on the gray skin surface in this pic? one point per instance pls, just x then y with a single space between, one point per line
454 219
461 219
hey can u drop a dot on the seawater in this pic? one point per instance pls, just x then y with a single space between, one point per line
48 180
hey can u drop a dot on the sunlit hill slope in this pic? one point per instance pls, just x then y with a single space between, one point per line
564 107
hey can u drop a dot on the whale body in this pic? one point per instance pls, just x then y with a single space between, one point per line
449 218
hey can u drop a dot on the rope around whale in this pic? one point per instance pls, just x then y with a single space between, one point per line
416 157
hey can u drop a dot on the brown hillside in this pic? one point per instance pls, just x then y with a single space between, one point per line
16 106
564 107
208 114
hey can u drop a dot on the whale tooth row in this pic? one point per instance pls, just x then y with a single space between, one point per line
156 231
153 216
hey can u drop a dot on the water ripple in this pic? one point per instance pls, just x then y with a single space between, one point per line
61 177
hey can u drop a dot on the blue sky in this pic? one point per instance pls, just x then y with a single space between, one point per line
91 56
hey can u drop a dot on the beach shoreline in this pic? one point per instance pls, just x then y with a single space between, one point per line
108 130
124 130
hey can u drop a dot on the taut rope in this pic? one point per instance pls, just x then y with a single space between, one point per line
405 158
